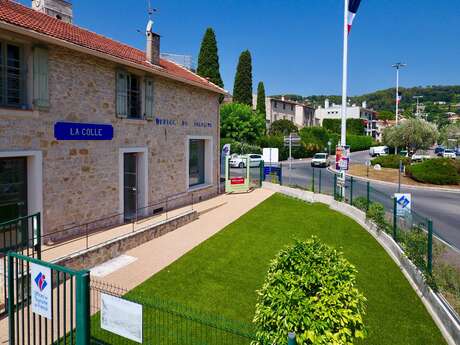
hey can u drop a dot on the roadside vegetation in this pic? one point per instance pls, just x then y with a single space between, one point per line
222 275
440 171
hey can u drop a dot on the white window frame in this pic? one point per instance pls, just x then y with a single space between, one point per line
208 161
143 177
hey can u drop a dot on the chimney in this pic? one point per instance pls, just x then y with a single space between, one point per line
59 9
326 103
152 51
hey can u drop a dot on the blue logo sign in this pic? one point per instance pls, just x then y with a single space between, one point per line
403 201
82 131
40 280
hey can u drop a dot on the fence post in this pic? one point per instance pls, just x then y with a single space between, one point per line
11 300
395 219
38 247
368 195
313 181
430 247
351 190
335 186
319 186
262 173
82 313
291 338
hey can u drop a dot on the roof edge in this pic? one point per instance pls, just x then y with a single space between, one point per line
156 70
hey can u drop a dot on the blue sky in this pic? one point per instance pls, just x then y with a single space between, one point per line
296 45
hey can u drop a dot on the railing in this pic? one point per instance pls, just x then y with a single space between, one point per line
167 322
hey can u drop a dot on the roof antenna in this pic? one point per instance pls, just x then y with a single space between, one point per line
150 9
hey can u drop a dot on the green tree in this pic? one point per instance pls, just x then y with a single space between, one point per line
386 115
412 134
242 89
208 59
261 99
450 135
283 127
239 122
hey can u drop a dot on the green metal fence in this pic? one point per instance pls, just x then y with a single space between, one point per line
69 291
166 322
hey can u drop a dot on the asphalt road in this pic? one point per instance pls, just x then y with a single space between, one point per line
442 207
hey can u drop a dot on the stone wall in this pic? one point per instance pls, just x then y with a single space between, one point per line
81 178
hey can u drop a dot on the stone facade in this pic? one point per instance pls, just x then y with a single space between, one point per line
81 178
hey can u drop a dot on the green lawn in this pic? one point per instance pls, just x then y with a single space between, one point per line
222 274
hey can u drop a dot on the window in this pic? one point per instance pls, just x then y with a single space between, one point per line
292 107
276 104
12 76
196 162
284 106
128 95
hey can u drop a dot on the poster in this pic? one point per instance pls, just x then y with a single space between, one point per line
41 289
121 317
342 157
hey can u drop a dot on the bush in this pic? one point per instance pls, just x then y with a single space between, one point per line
376 214
239 148
310 289
414 243
440 171
354 126
390 161
361 203
359 142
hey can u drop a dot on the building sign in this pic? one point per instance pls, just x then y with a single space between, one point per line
174 123
403 204
41 290
121 317
342 157
82 131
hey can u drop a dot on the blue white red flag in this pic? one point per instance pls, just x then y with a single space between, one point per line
353 6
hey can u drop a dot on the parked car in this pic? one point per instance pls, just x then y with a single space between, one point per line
420 156
377 151
439 150
449 153
240 162
457 151
320 160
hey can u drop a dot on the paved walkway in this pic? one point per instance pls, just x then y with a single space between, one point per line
154 255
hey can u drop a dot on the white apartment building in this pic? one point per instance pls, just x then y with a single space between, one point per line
334 111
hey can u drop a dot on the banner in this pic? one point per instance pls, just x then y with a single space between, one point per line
342 158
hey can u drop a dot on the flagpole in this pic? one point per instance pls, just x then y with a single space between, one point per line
343 140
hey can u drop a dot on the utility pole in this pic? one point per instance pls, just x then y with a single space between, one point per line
417 112
398 66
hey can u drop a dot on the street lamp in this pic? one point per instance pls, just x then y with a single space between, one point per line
398 66
417 111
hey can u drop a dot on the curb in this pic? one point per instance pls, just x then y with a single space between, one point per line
446 322
436 189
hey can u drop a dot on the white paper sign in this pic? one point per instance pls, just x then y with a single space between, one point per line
403 203
41 290
121 317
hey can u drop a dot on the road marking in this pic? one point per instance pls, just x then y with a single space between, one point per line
112 265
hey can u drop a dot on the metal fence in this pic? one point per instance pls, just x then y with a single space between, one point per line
166 322
414 232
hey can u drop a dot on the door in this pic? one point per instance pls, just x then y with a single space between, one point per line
13 188
130 186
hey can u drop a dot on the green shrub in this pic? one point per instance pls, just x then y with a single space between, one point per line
414 243
361 203
441 171
354 126
359 142
310 289
390 161
376 214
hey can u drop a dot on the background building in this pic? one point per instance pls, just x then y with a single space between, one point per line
301 114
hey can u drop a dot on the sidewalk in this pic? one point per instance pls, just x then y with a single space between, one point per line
153 256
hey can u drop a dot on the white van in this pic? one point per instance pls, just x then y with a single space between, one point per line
377 151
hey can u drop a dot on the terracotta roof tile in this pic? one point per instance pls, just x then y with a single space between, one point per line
27 18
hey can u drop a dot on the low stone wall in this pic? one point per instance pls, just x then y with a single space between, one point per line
446 322
108 250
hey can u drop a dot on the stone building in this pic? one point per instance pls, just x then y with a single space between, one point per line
301 114
90 127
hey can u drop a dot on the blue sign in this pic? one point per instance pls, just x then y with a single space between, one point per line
82 131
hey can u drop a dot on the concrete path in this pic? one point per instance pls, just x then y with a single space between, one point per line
153 256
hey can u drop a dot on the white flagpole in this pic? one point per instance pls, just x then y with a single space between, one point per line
343 140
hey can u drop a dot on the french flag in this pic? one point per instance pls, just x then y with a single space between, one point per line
353 6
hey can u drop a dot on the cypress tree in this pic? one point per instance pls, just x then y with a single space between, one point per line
208 59
242 89
261 98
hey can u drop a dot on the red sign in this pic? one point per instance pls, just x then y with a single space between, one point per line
237 180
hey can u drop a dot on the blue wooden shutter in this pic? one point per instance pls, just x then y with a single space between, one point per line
41 92
122 94
149 98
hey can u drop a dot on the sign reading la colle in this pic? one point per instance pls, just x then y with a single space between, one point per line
82 131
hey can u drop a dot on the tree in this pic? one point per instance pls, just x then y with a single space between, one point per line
283 127
261 99
208 59
450 135
386 115
242 89
412 134
239 122
354 126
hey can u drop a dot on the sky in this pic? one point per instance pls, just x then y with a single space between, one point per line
296 45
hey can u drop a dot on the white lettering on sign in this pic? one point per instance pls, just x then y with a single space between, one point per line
88 132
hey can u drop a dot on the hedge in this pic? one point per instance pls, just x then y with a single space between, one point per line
311 289
390 161
359 142
354 126
440 171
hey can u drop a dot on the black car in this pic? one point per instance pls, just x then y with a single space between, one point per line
439 150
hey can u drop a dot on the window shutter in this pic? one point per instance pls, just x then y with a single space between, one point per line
122 94
41 92
149 98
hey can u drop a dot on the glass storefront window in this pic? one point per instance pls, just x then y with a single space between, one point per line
196 162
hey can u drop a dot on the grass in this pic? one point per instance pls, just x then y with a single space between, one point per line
221 275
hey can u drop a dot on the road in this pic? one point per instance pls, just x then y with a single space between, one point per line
443 207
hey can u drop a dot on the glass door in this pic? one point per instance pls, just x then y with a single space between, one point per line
13 188
130 186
